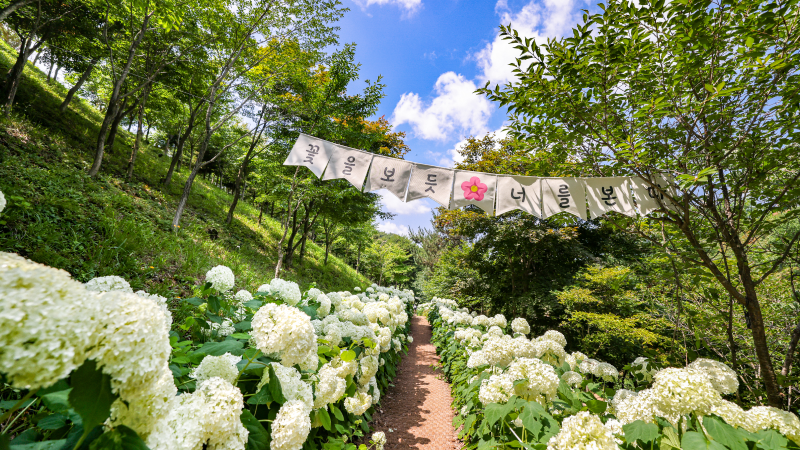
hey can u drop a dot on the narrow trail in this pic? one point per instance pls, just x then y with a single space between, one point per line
417 408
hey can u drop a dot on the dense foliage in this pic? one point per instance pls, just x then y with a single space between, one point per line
515 392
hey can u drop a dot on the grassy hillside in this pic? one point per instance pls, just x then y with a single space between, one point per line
59 216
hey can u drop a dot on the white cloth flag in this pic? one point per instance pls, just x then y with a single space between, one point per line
474 188
607 194
391 174
310 152
518 192
563 195
433 182
646 194
350 164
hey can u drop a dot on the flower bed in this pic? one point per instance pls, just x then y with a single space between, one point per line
516 392
276 369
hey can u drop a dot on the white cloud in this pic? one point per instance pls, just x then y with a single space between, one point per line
455 109
391 227
410 6
453 156
394 205
538 19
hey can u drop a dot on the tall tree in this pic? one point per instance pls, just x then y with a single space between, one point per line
702 91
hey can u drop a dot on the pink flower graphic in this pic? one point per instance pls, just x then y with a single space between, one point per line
474 189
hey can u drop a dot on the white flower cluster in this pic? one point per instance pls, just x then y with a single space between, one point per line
287 331
242 297
2 201
221 278
108 284
288 291
583 431
520 325
217 366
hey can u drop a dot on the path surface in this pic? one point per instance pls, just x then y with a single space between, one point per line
417 407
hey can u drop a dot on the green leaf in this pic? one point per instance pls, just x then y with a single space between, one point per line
348 355
638 430
220 348
771 440
496 411
692 440
120 438
262 397
240 336
213 304
52 422
44 445
254 304
275 386
531 420
670 439
597 406
91 395
723 433
258 437
325 418
337 413
194 301
57 401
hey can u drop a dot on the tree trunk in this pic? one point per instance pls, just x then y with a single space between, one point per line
787 363
55 75
14 77
187 187
112 134
138 142
175 164
50 71
290 247
71 93
5 12
113 100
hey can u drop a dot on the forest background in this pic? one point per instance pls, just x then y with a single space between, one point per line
164 158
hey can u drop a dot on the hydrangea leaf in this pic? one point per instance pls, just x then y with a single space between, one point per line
638 430
723 433
254 304
530 420
348 355
496 411
337 413
120 438
771 440
597 406
52 422
693 440
262 397
258 438
325 418
57 401
91 395
275 388
220 348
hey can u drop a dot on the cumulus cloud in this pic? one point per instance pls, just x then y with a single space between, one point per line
456 108
394 205
539 19
393 228
409 6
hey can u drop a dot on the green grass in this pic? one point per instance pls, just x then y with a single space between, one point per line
59 216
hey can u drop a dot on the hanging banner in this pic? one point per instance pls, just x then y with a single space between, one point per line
433 182
391 174
647 195
563 195
310 152
350 164
474 188
517 192
606 194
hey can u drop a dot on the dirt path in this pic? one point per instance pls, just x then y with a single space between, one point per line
417 407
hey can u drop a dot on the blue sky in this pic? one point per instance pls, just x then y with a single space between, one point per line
432 55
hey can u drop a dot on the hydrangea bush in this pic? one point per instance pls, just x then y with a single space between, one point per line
102 367
516 392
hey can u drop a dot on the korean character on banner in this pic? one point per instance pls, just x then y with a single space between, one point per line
647 196
391 174
432 182
474 188
310 152
606 194
517 192
350 164
563 195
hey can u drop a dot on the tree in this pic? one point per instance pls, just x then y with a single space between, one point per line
704 93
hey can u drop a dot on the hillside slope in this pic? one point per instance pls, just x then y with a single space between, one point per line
59 216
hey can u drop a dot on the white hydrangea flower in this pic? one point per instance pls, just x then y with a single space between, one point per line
161 302
291 426
464 410
379 439
292 385
358 404
223 329
632 406
207 418
555 336
499 351
368 367
313 293
683 391
217 366
722 377
733 414
496 389
410 339
550 351
588 365
520 325
477 359
109 283
372 385
619 397
2 201
767 417
481 321
583 431
288 291
541 380
329 388
286 330
572 378
605 371
221 278
324 306
45 328
242 297
335 298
